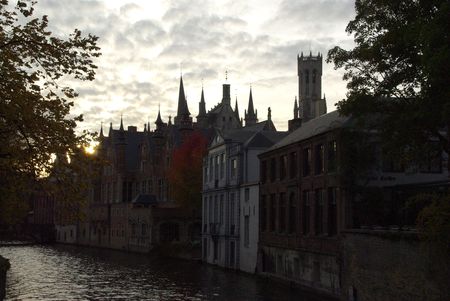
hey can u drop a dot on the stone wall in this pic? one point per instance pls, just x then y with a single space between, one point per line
310 270
387 265
4 266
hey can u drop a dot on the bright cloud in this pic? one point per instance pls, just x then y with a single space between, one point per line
145 44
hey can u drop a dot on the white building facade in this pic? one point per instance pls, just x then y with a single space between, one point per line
230 195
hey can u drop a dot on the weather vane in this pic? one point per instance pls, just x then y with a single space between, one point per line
226 75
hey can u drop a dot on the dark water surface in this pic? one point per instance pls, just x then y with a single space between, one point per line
62 272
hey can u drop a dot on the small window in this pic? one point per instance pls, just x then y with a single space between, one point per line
283 166
273 169
319 159
332 156
233 168
306 161
293 165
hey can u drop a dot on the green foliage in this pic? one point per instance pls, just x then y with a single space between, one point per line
399 71
434 220
35 120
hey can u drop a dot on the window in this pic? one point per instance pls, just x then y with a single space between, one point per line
222 165
216 209
292 214
211 209
247 194
283 166
246 231
318 218
221 209
211 168
306 161
293 165
282 213
332 156
263 171
273 169
216 167
150 186
263 214
432 160
273 211
332 212
232 223
306 212
233 168
205 211
320 160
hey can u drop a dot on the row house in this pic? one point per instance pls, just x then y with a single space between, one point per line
309 196
231 193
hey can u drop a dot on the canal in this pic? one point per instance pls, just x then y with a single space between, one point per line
62 272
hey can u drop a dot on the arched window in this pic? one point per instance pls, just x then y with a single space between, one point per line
314 76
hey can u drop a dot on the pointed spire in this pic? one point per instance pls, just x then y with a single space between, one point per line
250 103
170 120
236 109
121 123
158 119
251 117
110 129
145 128
101 129
269 114
202 105
182 103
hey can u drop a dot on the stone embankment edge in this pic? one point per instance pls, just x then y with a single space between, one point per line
4 266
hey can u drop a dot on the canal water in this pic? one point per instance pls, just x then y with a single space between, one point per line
62 272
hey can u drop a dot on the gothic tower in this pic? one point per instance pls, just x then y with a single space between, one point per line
312 104
183 118
250 116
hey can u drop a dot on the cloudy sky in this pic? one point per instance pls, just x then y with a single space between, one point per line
145 43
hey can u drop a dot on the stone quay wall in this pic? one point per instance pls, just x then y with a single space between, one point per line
388 265
4 266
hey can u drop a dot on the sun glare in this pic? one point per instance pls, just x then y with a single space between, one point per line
91 148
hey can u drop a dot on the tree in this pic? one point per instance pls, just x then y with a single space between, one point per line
35 120
185 176
399 72
399 86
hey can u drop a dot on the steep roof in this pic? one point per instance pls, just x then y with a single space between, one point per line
314 127
266 125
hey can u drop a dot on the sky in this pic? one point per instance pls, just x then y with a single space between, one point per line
147 44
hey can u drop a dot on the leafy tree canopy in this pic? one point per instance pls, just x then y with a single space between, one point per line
399 73
35 120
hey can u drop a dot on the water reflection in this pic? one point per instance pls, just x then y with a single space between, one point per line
78 273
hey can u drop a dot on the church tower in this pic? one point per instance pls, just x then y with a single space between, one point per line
312 104
251 117
183 118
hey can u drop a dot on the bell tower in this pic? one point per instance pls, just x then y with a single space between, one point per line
312 104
